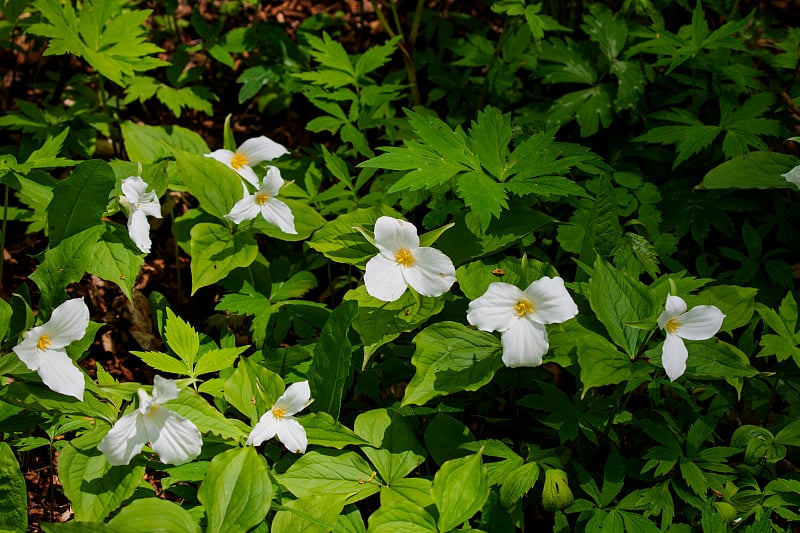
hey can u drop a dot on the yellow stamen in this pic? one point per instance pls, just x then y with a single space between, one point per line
43 343
672 325
262 198
238 161
523 306
404 257
152 410
278 413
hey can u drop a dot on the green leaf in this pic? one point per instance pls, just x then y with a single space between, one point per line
47 155
80 200
489 136
207 418
451 358
604 229
217 359
737 303
216 252
717 359
236 492
694 477
340 242
397 451
754 170
311 514
181 338
36 397
115 258
306 221
323 430
602 365
457 506
591 107
481 194
556 493
330 472
616 299
443 437
789 435
164 362
154 515
13 494
94 487
333 358
402 517
146 144
518 482
216 186
75 526
252 389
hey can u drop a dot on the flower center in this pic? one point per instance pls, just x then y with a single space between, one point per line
523 307
152 410
43 343
238 161
672 325
278 413
262 198
404 257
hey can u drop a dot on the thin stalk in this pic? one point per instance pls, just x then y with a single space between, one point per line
3 233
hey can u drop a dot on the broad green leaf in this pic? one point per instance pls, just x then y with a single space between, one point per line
323 430
207 418
13 494
333 359
252 389
458 505
80 200
397 451
443 436
6 312
294 287
556 493
330 472
181 338
312 514
737 303
451 358
712 359
402 517
146 144
216 186
216 252
236 492
617 298
154 515
115 258
340 242
306 221
75 526
789 435
602 365
350 521
416 490
474 278
94 487
754 170
36 397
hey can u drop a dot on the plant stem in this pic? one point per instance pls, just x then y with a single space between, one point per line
3 233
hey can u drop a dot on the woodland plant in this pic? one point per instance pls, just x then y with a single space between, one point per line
437 308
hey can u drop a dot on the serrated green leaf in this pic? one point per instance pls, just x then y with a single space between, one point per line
375 57
163 362
217 359
181 338
482 195
489 136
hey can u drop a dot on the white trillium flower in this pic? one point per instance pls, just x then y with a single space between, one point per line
521 316
174 438
250 153
43 349
402 263
793 176
140 203
280 420
265 203
700 323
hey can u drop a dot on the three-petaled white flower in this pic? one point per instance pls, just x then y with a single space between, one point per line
280 420
139 202
700 323
42 350
174 438
250 153
265 203
402 263
521 317
793 176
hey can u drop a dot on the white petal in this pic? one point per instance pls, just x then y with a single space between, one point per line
60 374
292 434
432 273
260 149
383 279
67 324
524 344
244 209
278 213
296 397
28 350
392 234
248 174
700 323
133 187
124 441
551 302
793 176
139 230
494 310
673 357
265 429
674 306
178 441
151 208
223 156
272 183
164 390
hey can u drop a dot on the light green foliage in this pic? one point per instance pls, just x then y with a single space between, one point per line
14 509
154 514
